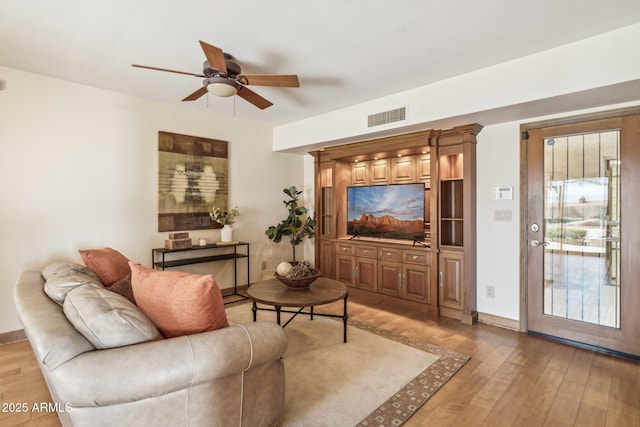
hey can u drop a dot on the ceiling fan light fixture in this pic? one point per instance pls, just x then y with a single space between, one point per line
221 86
223 78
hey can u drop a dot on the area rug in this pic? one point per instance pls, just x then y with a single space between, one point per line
377 378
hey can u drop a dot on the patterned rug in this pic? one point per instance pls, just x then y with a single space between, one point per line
316 351
403 404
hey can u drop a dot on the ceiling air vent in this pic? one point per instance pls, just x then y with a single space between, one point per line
385 117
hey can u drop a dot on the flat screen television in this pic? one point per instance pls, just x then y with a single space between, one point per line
386 211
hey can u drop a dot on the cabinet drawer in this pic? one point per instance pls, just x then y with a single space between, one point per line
344 249
391 254
366 251
416 257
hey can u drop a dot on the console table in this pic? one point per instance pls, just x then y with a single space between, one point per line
215 253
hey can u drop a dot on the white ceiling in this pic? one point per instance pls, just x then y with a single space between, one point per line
344 51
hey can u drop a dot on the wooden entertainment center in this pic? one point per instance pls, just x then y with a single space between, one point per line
438 273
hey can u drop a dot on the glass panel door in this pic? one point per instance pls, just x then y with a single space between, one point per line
582 228
581 231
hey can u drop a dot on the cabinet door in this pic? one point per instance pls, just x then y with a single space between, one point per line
367 274
416 283
379 171
450 289
403 170
359 173
389 278
423 167
326 258
345 269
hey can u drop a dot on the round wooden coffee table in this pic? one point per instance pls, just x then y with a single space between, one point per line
275 293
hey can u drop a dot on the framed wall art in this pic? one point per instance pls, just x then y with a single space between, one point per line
193 179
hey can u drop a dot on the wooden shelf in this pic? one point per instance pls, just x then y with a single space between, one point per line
452 232
452 198
451 167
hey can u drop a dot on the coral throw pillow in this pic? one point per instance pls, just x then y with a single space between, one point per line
109 264
178 303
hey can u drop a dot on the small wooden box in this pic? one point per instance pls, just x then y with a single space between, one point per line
177 243
174 236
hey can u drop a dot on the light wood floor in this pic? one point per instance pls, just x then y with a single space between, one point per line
512 379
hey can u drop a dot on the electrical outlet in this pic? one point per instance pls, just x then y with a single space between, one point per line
491 292
264 265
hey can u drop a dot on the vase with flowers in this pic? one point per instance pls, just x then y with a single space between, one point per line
226 219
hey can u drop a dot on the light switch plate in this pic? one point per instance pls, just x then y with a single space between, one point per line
502 215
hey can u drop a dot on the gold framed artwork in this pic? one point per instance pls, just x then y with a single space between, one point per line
193 177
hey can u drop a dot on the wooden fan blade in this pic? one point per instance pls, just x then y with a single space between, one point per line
252 97
215 56
286 80
197 94
168 70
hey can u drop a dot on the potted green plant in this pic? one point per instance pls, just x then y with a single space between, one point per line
226 219
296 226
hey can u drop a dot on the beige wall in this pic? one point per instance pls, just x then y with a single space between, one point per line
78 169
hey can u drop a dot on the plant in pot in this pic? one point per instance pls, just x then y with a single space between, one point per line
297 226
226 219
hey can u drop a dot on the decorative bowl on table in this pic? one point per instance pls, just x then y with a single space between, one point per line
299 283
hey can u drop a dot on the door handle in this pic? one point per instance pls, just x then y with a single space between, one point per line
538 243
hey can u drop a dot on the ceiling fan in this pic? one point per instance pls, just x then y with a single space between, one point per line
223 77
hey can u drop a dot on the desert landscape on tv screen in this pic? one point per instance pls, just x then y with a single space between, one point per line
387 211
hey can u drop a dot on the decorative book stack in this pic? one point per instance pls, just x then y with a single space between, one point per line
178 241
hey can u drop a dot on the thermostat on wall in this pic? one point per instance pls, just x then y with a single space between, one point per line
502 193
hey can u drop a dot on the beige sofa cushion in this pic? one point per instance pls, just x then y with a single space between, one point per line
62 277
107 319
60 267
